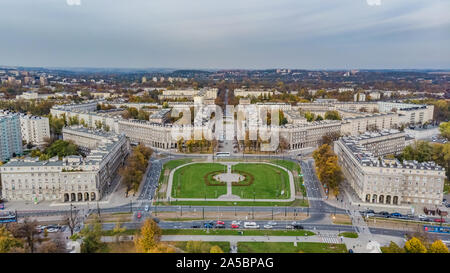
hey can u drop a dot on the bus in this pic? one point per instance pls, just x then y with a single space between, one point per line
7 217
437 229
222 154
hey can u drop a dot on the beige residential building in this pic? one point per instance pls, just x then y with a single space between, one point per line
252 93
71 179
35 129
371 122
388 181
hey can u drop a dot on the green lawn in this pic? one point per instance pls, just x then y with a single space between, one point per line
170 165
264 247
201 247
349 234
236 232
290 165
296 170
269 182
167 167
188 181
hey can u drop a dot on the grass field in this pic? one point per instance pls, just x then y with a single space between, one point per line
296 170
269 182
349 234
201 247
164 177
188 181
264 247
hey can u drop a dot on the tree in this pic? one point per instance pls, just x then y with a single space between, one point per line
148 237
215 249
414 245
7 241
444 127
62 148
91 236
438 247
332 115
72 220
197 247
118 230
56 245
27 230
162 248
328 170
392 248
309 116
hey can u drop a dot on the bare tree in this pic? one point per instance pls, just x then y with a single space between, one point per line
56 245
26 230
72 219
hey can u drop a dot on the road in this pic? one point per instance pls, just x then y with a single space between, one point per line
281 225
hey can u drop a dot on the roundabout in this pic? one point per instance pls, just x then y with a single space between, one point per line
231 181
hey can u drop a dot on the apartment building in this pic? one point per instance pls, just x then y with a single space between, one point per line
35 129
376 179
252 93
360 124
72 178
10 135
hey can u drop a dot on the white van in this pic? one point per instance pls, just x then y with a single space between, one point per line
250 225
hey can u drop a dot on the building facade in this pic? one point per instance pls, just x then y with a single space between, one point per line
72 178
35 129
376 179
10 136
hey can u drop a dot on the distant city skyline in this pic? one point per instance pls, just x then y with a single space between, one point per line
204 34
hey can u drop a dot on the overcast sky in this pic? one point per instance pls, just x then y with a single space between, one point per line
252 34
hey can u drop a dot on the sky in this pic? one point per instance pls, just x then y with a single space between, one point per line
226 34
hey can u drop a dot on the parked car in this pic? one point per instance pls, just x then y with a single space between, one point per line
395 215
272 223
422 216
297 226
439 220
368 211
220 226
251 225
146 208
220 223
208 224
195 226
139 215
384 214
268 226
234 226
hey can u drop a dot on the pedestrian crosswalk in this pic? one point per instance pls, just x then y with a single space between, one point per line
330 239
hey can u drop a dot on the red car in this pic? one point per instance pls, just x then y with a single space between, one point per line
439 220
234 226
139 215
220 223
